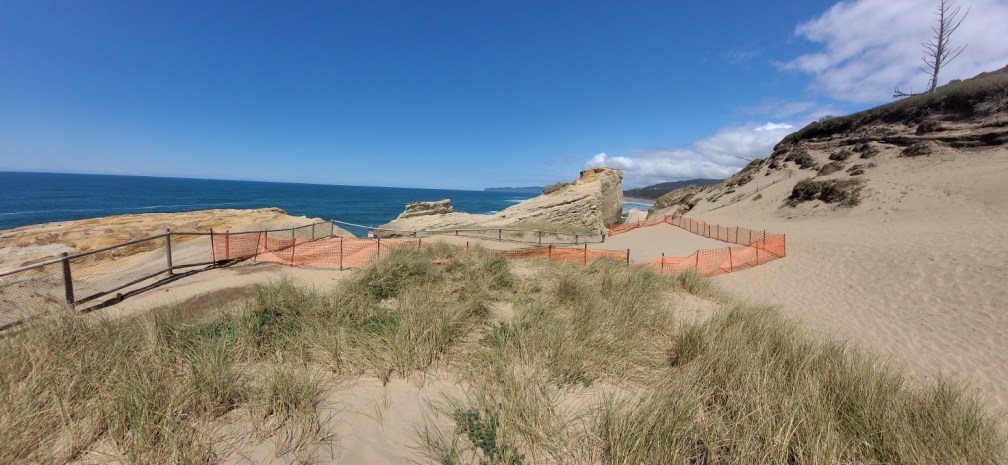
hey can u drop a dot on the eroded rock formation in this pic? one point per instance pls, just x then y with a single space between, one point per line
592 202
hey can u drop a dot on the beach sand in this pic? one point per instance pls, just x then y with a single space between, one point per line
917 273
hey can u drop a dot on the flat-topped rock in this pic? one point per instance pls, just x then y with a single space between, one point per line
439 207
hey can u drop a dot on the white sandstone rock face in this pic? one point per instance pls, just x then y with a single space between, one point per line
593 202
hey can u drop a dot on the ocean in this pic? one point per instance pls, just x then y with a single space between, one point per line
32 198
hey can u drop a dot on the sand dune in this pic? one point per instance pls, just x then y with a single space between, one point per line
916 273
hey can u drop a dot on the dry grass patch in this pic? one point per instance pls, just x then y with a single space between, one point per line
592 366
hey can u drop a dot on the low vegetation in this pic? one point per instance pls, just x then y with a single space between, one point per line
802 158
843 192
841 155
958 100
745 175
916 150
830 168
859 168
866 150
596 364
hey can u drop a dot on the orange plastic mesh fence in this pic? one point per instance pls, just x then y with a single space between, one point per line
759 247
580 255
297 248
303 247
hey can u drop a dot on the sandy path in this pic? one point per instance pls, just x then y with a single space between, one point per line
649 243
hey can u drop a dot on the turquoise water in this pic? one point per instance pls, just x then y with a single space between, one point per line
32 198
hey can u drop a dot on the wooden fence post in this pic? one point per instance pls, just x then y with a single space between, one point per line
67 279
227 244
549 253
585 261
167 244
378 254
731 265
663 262
341 253
293 243
628 257
499 235
540 237
258 239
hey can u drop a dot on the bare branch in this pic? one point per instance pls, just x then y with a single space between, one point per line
938 51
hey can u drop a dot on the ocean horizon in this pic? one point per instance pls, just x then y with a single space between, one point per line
28 198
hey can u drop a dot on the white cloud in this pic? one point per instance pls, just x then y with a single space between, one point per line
870 46
717 156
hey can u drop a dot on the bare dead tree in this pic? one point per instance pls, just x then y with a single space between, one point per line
938 51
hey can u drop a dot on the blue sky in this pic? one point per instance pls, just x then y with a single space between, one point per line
447 94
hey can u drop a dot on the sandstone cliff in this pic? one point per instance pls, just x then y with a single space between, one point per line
592 202
29 244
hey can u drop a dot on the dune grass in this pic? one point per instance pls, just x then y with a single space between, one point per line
596 364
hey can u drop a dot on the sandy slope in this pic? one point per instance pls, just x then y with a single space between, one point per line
917 272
